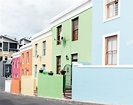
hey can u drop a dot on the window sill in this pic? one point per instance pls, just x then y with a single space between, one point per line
74 40
115 17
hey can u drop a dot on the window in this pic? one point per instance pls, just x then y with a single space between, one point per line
27 57
0 44
22 72
59 33
35 71
13 45
75 29
74 57
44 48
14 61
5 46
36 48
23 58
58 60
43 67
17 63
111 50
111 8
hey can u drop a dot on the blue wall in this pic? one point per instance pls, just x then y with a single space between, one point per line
105 85
124 24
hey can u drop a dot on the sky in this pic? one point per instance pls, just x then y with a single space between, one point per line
24 18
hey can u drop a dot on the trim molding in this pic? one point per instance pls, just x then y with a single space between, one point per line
26 47
15 55
72 11
103 66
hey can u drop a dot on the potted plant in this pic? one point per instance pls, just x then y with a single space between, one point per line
63 72
50 73
40 71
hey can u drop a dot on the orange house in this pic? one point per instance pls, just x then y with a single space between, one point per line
26 60
27 83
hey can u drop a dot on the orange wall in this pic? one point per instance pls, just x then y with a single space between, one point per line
16 86
24 66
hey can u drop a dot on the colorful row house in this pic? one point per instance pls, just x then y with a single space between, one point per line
42 58
27 80
85 55
109 78
71 30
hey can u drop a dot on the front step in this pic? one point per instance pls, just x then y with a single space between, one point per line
36 92
68 93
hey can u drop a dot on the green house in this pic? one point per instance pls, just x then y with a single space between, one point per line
71 41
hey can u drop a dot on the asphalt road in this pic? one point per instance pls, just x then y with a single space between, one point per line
11 99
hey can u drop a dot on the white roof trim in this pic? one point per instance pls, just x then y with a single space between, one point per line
72 11
42 34
26 47
15 55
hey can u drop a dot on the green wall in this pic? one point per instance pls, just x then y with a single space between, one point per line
82 46
50 86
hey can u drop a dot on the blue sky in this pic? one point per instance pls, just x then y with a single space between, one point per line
23 18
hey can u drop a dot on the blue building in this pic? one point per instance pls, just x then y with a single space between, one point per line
109 77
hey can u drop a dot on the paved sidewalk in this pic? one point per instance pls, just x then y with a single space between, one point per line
11 99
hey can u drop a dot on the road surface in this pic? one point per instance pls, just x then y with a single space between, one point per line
11 99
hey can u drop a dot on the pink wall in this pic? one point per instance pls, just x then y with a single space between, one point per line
16 67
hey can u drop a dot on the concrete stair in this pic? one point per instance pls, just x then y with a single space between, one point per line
68 93
36 92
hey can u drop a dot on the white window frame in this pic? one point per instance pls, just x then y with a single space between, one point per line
104 12
103 48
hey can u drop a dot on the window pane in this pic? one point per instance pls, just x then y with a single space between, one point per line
114 44
43 68
75 29
35 71
74 57
111 10
5 46
36 48
44 47
114 57
109 57
109 44
59 33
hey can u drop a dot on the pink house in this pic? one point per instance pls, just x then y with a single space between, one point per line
16 75
16 67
